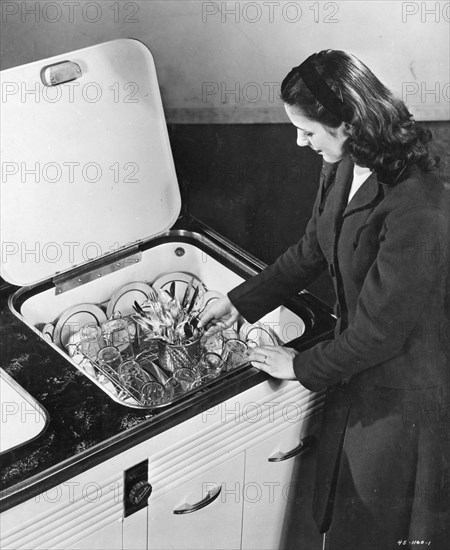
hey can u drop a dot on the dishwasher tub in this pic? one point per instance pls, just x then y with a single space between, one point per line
177 251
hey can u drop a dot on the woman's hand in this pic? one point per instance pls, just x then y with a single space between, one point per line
221 314
277 361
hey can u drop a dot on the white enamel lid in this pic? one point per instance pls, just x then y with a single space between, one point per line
87 167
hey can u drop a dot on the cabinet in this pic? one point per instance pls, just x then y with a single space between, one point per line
83 512
109 537
261 504
216 525
279 488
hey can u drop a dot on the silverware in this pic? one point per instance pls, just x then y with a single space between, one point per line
188 332
194 298
184 302
143 322
138 309
172 290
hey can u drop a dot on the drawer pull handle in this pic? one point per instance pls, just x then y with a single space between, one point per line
189 508
305 444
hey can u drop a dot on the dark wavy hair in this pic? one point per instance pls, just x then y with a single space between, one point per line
382 134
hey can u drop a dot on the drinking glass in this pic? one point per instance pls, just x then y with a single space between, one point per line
184 378
133 377
234 353
203 380
116 333
110 359
152 393
212 342
210 364
91 340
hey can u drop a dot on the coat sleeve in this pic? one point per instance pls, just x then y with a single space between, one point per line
408 268
292 271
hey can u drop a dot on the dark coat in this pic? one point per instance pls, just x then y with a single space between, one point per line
387 253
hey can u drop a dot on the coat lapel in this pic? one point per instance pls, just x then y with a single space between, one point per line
367 195
343 181
336 181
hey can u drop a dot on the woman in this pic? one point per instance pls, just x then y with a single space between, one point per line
379 225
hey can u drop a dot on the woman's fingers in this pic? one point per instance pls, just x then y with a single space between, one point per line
214 311
277 361
206 316
215 326
266 352
260 355
220 312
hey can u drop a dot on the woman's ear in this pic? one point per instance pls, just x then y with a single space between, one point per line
342 132
347 128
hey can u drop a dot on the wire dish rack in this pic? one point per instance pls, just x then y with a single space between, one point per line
155 362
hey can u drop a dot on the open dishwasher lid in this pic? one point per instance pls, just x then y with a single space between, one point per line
87 167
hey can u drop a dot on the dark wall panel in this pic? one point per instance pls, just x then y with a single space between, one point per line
253 184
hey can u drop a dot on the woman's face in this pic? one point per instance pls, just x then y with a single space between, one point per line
317 136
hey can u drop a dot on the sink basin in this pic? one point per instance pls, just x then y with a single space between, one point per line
22 418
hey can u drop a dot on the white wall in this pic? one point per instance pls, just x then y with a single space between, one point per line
224 61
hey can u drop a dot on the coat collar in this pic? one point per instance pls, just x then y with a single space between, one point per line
367 195
376 186
340 176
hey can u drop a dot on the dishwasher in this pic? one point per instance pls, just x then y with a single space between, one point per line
92 232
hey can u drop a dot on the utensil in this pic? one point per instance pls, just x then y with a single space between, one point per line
143 322
187 293
194 322
172 290
194 298
164 298
188 332
175 310
137 307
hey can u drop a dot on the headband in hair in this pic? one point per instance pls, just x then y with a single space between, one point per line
322 92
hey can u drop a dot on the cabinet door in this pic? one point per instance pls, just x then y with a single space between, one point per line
216 525
83 512
109 537
278 494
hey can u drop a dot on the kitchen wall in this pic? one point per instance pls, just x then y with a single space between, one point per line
220 65
224 61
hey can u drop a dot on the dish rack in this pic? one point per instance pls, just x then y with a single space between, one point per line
119 392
